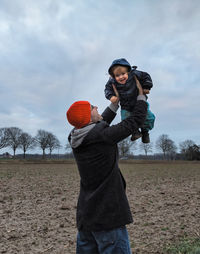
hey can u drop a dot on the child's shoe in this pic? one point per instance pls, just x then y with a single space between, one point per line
145 137
136 135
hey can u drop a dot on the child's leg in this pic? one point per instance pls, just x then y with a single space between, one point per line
124 114
137 134
149 122
148 125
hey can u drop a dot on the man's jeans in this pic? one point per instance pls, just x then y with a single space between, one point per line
114 241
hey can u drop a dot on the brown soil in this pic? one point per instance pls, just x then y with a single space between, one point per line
38 206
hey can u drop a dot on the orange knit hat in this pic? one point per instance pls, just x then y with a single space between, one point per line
79 114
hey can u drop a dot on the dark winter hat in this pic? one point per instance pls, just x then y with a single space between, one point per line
122 62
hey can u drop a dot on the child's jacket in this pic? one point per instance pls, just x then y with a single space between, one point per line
128 92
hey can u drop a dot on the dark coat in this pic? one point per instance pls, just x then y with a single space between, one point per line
102 202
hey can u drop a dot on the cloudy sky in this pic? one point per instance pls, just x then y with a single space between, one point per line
53 53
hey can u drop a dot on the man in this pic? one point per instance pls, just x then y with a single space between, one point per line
103 210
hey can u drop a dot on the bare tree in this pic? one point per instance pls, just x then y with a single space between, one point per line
189 150
193 152
42 140
125 146
165 144
53 142
185 145
14 134
146 147
26 142
3 137
161 143
68 147
172 148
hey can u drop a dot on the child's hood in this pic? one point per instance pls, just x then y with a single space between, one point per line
120 61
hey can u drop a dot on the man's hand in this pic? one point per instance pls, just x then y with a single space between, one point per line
140 90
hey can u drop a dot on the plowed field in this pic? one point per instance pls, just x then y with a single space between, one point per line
38 205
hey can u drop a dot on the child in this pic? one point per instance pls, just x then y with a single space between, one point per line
123 77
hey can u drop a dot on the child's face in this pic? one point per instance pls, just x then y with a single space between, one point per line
120 74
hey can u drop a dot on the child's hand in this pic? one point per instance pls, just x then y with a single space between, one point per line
114 99
146 91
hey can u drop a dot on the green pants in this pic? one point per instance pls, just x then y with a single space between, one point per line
149 122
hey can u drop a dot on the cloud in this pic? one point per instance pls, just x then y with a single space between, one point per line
53 53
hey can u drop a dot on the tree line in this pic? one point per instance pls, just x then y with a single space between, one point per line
15 138
188 149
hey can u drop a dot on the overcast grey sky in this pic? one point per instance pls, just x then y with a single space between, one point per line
53 53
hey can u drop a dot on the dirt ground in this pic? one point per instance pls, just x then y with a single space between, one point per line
38 205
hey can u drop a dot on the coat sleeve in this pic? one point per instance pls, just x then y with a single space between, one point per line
115 133
108 115
145 79
108 91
